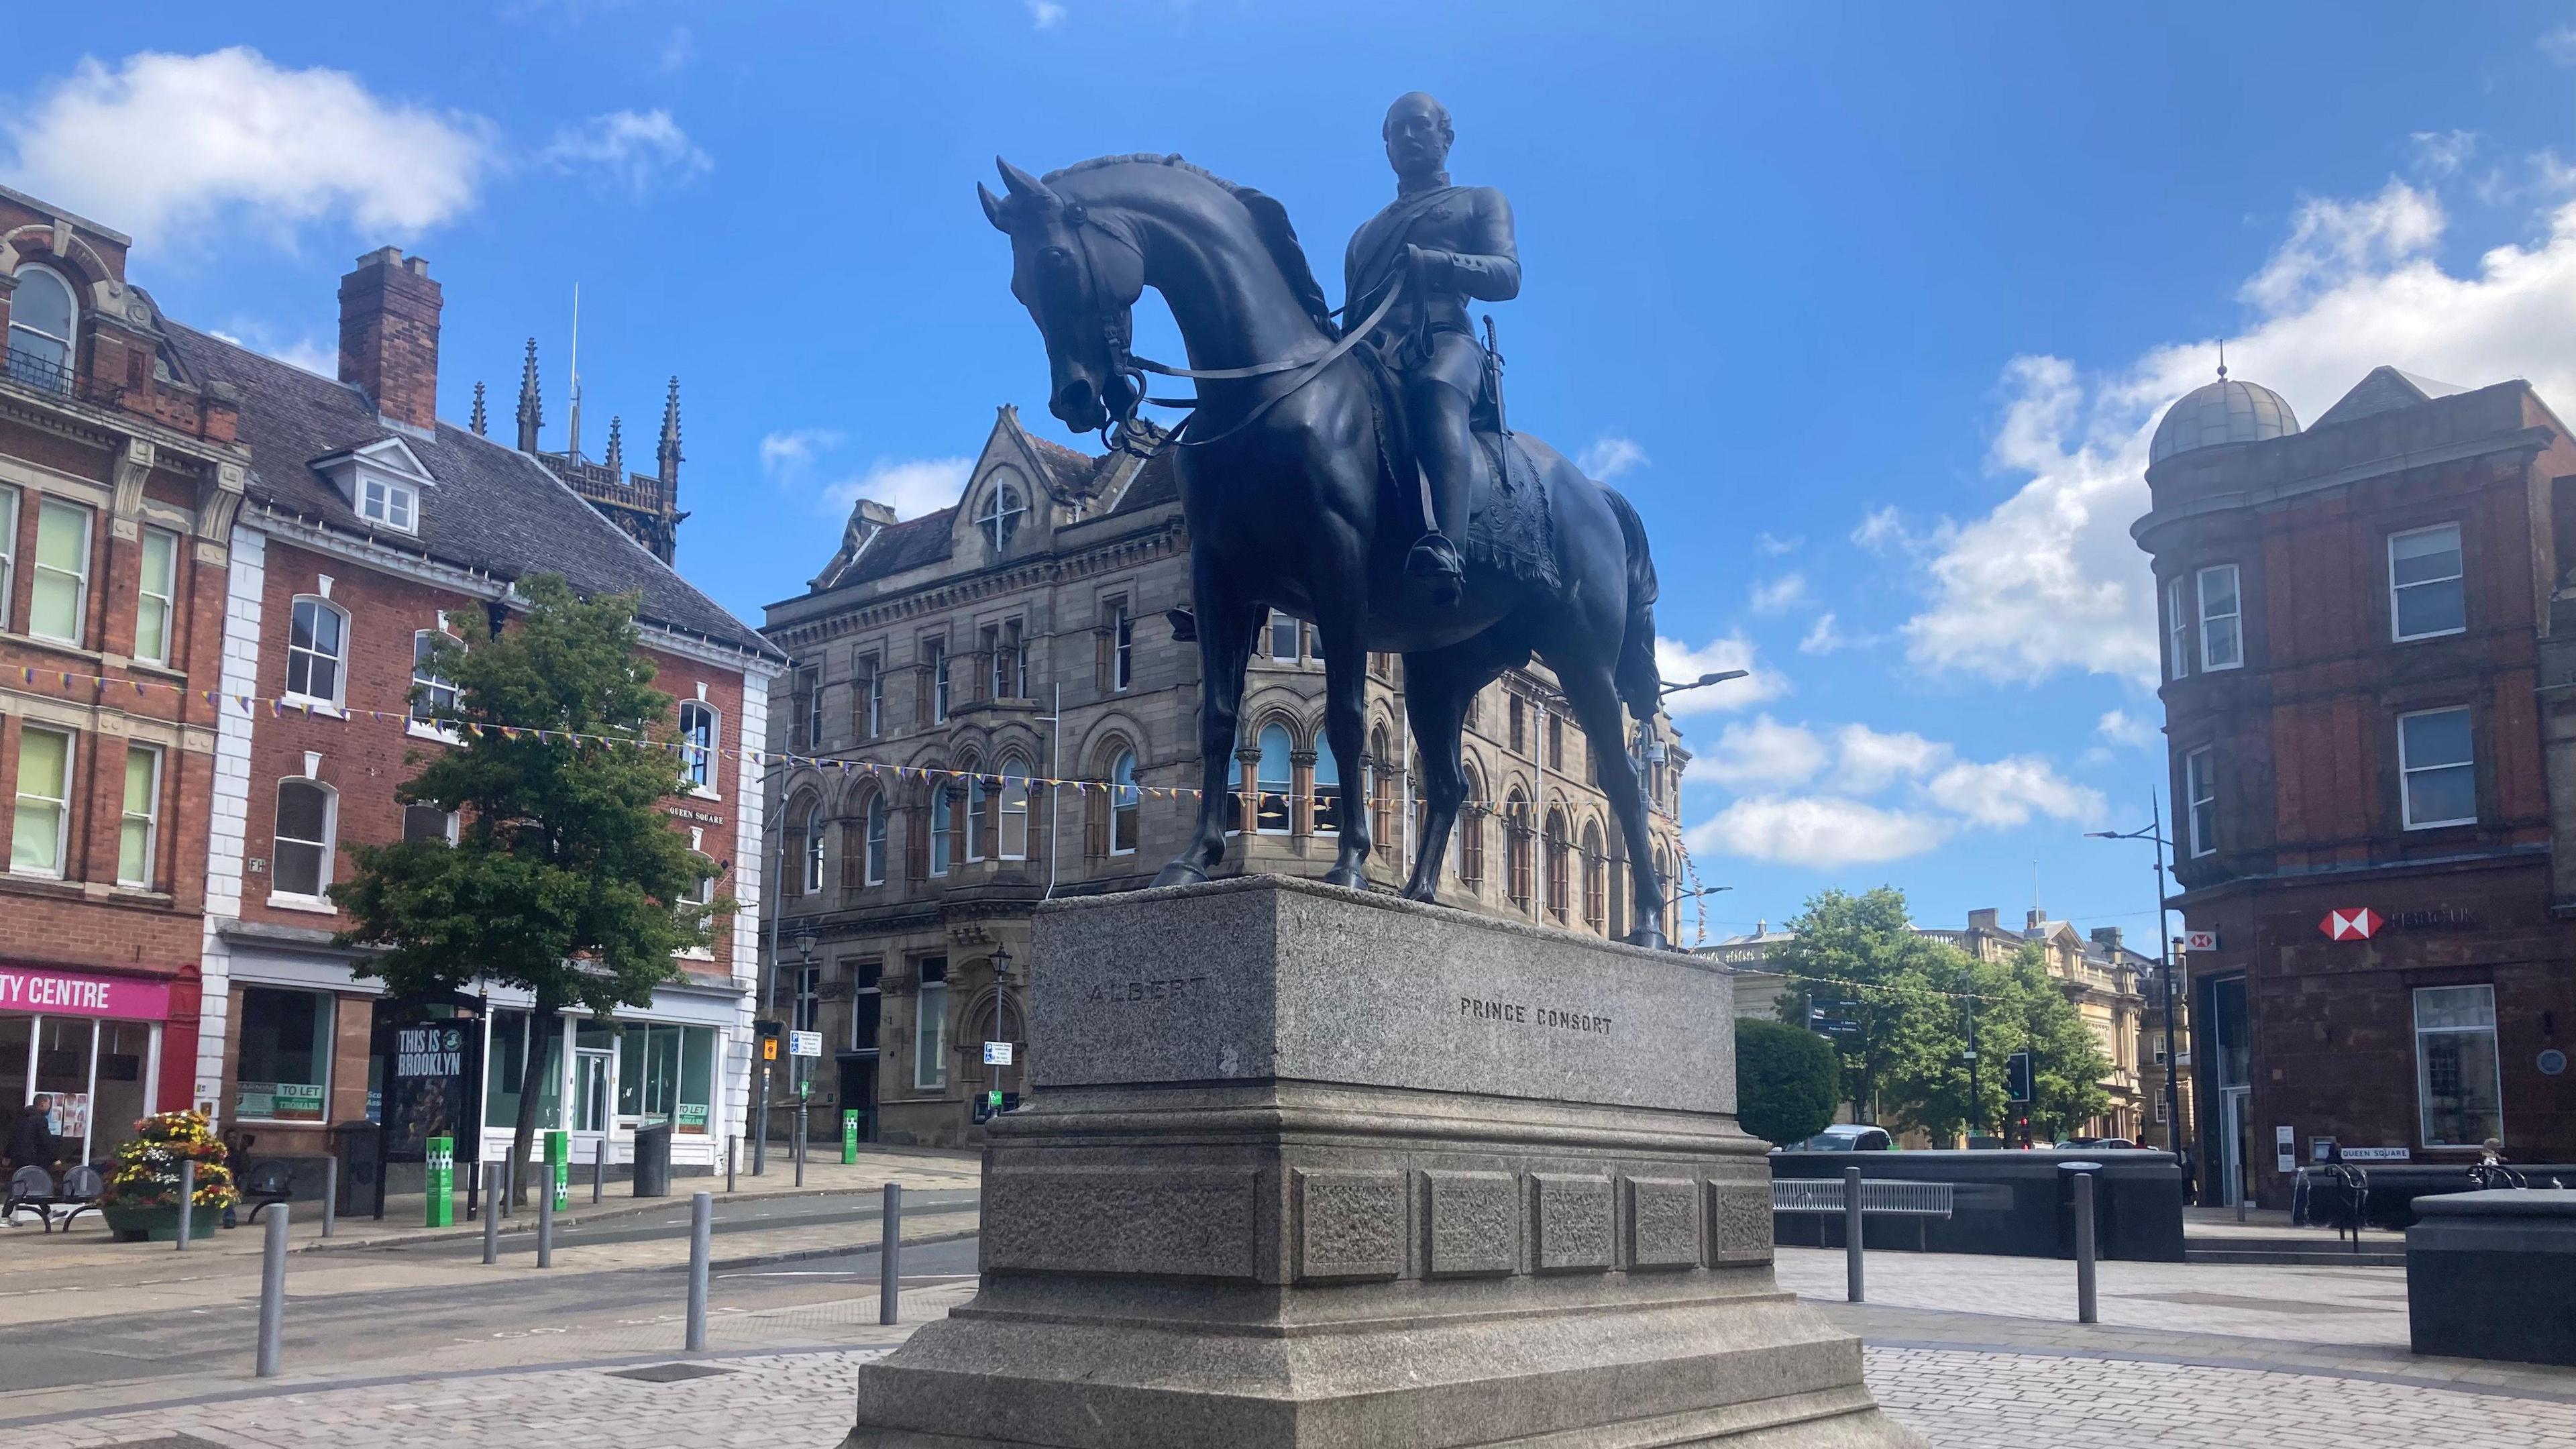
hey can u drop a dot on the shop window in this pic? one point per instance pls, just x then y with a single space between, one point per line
42 818
155 590
506 1067
930 1027
138 832
284 1072
2437 769
58 600
1126 805
2427 587
2222 619
300 863
698 746
2456 1080
666 1073
316 650
2200 790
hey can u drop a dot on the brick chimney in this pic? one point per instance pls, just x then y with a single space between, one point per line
389 335
1984 920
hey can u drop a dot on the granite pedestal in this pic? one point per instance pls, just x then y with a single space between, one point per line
2493 1275
1308 1168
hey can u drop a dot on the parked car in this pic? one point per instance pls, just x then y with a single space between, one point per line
2095 1144
1848 1137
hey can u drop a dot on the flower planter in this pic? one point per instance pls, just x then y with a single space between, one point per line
158 1224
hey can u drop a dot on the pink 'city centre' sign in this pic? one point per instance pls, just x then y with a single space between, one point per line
26 989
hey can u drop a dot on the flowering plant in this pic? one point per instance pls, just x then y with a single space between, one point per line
146 1170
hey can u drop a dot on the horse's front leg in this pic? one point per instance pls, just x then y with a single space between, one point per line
1225 645
1345 650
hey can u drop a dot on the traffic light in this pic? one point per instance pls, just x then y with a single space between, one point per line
2017 1077
769 1032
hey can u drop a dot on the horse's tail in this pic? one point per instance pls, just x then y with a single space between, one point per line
1640 682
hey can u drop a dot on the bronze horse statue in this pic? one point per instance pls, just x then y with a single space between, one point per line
1294 502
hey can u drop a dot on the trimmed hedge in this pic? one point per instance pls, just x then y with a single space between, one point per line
1787 1082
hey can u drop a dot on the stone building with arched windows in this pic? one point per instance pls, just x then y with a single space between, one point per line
1019 637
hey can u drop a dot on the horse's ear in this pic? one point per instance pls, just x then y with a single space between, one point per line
1021 183
992 209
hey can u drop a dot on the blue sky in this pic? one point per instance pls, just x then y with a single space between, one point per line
1869 308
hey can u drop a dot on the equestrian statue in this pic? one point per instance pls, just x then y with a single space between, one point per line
1356 476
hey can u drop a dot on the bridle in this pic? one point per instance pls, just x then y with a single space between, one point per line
1117 331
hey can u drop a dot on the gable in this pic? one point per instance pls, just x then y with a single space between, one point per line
2385 389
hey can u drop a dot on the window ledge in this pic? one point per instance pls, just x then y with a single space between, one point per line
311 705
700 792
51 878
58 646
420 731
314 904
143 894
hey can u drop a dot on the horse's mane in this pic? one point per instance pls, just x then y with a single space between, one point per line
1269 219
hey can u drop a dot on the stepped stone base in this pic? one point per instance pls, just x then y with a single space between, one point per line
1309 1168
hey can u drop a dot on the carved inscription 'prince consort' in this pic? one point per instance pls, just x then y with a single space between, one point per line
1521 1013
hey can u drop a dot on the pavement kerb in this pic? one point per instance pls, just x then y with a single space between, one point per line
754 1260
525 1220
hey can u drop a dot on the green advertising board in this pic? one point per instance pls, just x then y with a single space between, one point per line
849 1138
559 1166
441 1186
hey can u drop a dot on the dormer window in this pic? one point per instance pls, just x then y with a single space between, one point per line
1001 517
41 328
384 483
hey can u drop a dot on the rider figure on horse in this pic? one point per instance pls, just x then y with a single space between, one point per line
1448 243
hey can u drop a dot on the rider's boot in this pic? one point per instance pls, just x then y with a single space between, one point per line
1436 563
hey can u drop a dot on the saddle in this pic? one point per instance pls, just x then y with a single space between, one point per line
1509 524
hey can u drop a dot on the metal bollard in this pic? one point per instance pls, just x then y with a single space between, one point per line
491 1217
702 1211
1852 1235
800 1144
730 1144
187 1200
509 1185
546 1226
2086 1310
890 1255
599 1172
272 1293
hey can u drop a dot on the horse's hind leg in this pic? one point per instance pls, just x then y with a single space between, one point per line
1437 686
1225 644
1595 700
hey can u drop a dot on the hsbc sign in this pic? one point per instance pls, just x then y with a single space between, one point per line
2354 925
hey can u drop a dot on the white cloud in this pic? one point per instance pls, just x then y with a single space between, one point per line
633 151
678 49
1780 595
1046 14
1816 831
2050 580
2121 727
909 486
2560 45
2010 790
1872 761
787 454
1610 455
165 143
1771 546
1822 637
1761 754
2443 152
1679 663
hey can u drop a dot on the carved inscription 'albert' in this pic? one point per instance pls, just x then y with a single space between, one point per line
1169 988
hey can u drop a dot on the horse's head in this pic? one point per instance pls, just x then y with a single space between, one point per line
1079 275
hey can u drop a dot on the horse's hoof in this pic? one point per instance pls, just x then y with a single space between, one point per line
1347 877
1181 872
1649 938
1425 896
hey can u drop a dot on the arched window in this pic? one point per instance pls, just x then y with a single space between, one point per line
43 323
979 812
1271 814
814 848
876 857
1015 810
1596 878
1664 887
307 821
1126 805
1000 520
1328 794
698 744
1557 865
1471 833
1381 791
943 827
1517 849
317 652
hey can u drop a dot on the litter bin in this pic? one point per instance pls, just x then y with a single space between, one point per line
2067 1172
653 1160
362 1176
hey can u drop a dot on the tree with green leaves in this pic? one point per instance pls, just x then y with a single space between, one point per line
566 880
1931 1084
1862 950
2067 1065
1787 1081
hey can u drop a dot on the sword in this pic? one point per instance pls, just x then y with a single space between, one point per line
1494 376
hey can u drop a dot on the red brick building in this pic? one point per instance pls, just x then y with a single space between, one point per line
2355 620
120 475
368 526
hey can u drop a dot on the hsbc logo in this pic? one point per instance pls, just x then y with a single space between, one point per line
2358 925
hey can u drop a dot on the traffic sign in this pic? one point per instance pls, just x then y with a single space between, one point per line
997 1054
2200 940
804 1043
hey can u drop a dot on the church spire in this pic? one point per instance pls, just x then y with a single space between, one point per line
667 455
479 420
531 411
616 460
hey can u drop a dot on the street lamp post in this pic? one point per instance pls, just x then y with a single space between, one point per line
2153 830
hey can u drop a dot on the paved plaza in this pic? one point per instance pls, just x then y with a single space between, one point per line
1973 1352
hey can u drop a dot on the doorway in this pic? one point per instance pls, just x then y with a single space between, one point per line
859 1092
2234 1103
594 1081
